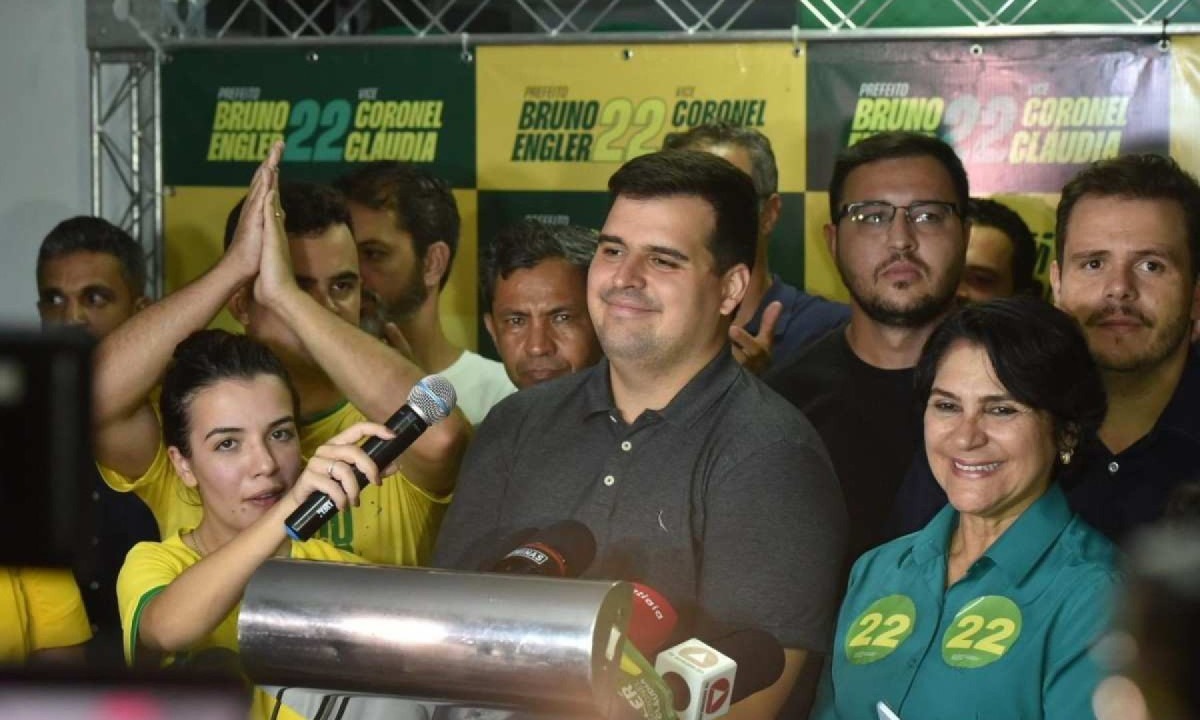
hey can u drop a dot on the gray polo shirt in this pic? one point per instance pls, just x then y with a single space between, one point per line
724 501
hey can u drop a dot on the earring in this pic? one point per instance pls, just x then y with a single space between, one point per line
1065 456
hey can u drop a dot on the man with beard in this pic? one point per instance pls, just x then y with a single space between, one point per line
406 226
1126 269
899 238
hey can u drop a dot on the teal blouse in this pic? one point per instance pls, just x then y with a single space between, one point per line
1009 640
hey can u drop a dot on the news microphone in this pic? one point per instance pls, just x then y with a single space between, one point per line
652 619
431 400
565 549
701 675
511 540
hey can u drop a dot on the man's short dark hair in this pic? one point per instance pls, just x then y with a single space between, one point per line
715 180
894 145
1146 176
308 209
84 233
423 203
527 244
758 146
984 212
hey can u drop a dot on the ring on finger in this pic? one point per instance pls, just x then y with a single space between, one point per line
329 472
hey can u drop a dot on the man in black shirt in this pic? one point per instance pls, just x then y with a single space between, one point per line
899 238
1128 256
92 275
692 475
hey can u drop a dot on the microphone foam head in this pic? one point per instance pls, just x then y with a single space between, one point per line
651 621
433 398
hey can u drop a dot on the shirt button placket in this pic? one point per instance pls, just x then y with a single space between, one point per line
621 461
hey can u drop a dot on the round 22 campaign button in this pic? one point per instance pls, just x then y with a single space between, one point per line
880 629
982 632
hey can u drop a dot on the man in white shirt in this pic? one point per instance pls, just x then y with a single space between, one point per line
406 226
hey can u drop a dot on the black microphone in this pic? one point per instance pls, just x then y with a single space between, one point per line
501 548
431 400
706 678
565 549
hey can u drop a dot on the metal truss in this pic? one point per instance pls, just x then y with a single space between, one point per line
126 161
218 19
863 14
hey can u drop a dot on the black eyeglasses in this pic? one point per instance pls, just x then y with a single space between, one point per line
878 214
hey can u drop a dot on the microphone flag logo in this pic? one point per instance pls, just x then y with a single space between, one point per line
699 656
718 695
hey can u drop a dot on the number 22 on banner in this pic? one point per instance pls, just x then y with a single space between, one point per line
618 115
307 114
997 117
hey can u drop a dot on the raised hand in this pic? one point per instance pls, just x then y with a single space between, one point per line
275 274
245 251
331 468
754 351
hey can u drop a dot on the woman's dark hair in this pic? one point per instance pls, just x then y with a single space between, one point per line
203 359
1039 355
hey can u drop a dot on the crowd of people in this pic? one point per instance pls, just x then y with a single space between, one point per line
922 494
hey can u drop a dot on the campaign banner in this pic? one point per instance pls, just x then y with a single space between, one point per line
566 117
537 130
1025 115
1185 102
335 108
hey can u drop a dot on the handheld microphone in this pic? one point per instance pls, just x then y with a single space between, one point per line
431 400
701 675
565 549
652 619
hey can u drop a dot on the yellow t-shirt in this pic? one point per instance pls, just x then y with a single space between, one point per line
151 566
39 609
396 523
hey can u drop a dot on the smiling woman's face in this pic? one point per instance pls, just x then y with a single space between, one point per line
994 456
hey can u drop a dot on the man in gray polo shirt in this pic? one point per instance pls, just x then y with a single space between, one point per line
694 477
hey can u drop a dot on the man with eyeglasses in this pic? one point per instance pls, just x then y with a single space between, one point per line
899 239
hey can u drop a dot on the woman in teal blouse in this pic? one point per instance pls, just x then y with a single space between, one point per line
990 610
